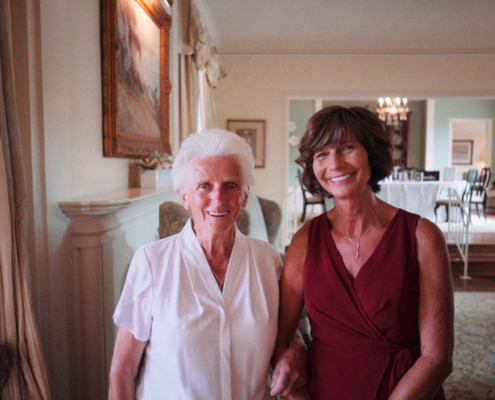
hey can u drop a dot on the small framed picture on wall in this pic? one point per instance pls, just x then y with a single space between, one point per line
253 131
462 152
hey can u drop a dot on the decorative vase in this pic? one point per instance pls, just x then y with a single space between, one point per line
156 178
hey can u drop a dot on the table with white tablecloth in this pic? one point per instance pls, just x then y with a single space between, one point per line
418 197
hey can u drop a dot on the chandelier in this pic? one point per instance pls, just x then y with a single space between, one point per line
391 111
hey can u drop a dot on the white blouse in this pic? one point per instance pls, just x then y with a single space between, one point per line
202 343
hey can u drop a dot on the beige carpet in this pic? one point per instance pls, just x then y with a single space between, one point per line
474 352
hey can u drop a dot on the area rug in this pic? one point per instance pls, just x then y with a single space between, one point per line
474 352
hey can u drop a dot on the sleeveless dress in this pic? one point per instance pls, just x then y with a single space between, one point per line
365 331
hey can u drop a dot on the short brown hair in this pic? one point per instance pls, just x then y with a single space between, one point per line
336 124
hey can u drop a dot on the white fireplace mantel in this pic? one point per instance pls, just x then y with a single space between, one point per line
106 230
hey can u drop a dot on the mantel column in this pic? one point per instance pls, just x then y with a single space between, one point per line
105 232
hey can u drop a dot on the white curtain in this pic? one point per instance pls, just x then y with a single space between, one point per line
196 54
28 378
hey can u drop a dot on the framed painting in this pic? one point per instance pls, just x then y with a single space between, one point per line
462 152
253 131
136 84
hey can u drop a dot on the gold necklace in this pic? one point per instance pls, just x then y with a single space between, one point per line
358 243
219 281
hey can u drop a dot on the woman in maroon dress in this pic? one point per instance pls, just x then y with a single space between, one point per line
375 279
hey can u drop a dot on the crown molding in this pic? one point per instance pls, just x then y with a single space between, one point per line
368 51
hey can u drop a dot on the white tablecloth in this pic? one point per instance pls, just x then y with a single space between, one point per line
418 197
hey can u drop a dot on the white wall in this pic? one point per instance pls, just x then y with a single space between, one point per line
257 87
58 88
74 163
59 93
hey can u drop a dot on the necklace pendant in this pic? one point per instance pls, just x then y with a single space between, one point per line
358 245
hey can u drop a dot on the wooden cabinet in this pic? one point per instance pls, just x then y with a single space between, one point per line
399 135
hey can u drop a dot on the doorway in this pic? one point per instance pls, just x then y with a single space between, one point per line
479 132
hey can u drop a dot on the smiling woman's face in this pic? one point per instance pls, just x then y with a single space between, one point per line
215 194
343 170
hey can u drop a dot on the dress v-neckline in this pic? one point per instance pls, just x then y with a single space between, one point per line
341 263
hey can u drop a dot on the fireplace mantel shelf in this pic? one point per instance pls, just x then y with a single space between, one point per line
107 203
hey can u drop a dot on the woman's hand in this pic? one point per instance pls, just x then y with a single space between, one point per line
299 394
290 372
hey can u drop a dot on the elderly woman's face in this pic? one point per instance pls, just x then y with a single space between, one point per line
215 193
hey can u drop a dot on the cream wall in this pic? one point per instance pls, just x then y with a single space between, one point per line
58 86
73 161
58 90
258 85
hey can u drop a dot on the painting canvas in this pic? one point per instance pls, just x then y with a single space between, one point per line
253 131
138 70
136 85
462 152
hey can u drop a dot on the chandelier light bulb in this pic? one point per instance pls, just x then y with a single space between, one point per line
392 110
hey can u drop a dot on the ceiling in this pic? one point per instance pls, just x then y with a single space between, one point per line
351 26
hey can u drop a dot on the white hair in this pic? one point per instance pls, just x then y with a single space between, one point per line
212 143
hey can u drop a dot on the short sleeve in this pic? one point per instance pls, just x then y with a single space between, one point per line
133 311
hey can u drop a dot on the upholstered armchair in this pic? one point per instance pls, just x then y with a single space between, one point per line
260 219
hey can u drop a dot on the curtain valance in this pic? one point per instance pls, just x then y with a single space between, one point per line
195 41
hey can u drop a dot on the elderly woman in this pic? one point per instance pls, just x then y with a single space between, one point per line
375 279
199 309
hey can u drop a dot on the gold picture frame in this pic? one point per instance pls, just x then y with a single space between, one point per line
136 84
254 132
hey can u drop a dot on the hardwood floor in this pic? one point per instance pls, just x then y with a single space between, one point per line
481 263
481 283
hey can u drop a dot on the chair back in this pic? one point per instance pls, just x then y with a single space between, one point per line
485 177
472 176
449 173
301 184
261 219
480 187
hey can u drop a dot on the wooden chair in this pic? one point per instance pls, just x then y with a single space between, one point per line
173 217
479 190
308 198
471 178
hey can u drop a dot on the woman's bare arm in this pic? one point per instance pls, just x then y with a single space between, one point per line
289 372
436 318
127 355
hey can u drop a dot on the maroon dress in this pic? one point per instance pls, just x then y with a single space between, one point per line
365 330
